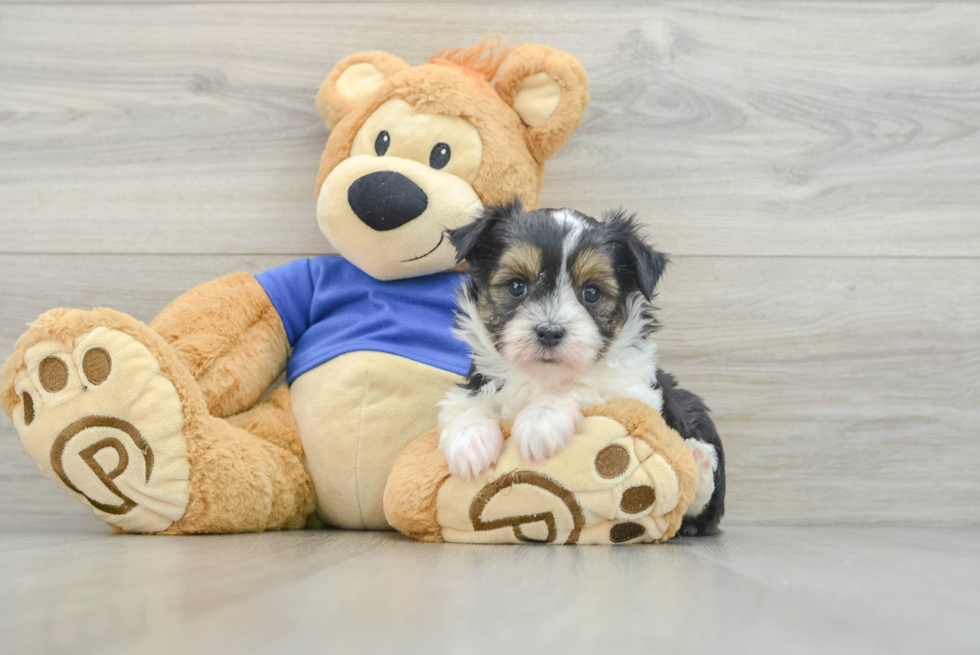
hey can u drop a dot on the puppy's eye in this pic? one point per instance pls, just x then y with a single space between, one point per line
382 142
516 288
591 294
439 156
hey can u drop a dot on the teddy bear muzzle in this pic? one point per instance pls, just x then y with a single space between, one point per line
388 215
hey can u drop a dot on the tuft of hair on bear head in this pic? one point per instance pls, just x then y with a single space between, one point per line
481 61
641 260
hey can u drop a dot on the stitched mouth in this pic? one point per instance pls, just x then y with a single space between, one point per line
414 259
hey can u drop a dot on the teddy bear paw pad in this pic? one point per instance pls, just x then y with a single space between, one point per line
100 418
606 487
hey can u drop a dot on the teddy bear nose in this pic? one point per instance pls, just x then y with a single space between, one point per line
385 200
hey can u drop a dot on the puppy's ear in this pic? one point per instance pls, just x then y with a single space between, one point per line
645 264
548 90
475 241
353 81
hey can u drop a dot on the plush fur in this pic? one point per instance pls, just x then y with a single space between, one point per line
544 140
332 103
513 154
240 481
635 418
448 101
223 344
559 317
230 337
421 473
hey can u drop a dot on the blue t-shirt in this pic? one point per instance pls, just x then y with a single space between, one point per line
330 307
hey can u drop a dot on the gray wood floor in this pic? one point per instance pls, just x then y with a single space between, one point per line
813 170
69 587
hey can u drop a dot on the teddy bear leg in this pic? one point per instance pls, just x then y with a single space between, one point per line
625 478
273 425
272 420
230 337
107 410
255 471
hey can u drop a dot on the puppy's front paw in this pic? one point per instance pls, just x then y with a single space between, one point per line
544 429
472 443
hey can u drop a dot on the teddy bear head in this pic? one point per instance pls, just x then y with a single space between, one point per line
416 151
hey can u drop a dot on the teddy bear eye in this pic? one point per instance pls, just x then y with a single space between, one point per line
382 142
439 156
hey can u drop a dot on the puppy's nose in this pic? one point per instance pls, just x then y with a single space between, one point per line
549 334
385 200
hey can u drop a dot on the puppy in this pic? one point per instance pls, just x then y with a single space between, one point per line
558 314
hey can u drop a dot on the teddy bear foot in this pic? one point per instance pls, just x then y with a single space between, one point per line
91 404
625 478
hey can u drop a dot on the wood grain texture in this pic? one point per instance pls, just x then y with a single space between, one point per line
72 587
845 390
740 128
811 167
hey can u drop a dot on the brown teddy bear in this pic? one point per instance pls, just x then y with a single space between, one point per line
169 428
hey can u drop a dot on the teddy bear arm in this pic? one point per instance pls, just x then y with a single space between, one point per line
229 335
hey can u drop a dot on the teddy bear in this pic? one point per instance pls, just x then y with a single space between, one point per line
171 427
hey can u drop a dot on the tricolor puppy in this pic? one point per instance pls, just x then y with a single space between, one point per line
558 314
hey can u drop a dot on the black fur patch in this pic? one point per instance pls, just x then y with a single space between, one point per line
636 261
636 267
685 412
474 381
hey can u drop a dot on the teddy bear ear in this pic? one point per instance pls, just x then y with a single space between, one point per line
548 89
353 81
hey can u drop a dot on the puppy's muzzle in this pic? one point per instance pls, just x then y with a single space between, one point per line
385 200
549 335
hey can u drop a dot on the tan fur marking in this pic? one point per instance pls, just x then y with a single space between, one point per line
523 260
594 266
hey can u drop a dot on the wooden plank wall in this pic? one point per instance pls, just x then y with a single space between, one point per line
813 169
